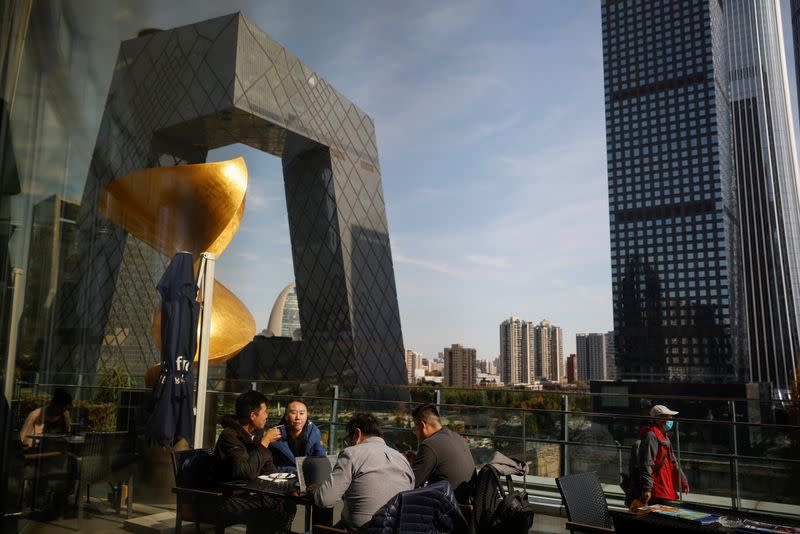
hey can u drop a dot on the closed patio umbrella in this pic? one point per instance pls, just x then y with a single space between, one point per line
173 416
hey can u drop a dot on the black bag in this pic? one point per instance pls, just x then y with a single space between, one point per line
498 511
630 481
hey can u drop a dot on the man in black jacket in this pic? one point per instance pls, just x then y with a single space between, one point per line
242 453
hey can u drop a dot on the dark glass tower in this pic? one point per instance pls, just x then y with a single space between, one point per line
702 197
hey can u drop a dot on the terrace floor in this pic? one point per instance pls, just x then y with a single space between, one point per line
157 520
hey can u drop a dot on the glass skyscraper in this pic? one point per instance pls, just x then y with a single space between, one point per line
703 202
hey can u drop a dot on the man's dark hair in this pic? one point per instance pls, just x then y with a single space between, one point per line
247 403
426 412
367 423
61 399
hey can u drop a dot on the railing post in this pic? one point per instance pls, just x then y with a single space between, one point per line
564 434
334 415
524 447
18 276
437 398
734 457
206 268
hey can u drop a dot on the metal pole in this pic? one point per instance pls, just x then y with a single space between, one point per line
524 449
734 457
334 415
565 435
13 333
207 291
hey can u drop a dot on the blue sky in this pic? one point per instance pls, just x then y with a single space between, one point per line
491 134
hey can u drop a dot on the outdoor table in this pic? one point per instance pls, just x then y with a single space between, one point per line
49 459
287 491
654 523
90 456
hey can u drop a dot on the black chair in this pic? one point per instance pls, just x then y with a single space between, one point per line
198 499
585 501
100 458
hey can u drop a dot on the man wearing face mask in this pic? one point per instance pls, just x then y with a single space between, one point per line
661 475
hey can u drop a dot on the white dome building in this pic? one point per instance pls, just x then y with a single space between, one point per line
284 320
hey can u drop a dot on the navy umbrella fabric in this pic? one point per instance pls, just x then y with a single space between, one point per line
173 394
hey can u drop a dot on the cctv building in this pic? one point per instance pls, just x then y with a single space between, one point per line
166 100
703 204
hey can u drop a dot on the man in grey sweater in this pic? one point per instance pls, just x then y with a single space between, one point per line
442 454
367 473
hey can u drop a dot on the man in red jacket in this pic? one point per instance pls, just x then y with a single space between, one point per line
661 475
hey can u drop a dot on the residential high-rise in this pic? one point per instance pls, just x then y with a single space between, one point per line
516 351
702 188
611 360
413 362
572 368
548 352
459 366
591 349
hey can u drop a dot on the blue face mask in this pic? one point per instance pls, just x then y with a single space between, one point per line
668 424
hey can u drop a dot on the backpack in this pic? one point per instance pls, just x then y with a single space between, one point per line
630 481
498 511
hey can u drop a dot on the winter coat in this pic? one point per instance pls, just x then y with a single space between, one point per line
660 472
431 509
240 455
284 457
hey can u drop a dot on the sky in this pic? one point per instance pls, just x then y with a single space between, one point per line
491 136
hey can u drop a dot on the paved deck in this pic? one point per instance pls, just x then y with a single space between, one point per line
153 520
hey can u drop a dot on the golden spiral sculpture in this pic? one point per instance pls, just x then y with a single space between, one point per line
193 208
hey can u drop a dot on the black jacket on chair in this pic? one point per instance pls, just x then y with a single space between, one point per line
427 510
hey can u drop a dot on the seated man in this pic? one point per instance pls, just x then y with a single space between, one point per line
242 453
299 437
52 419
367 474
442 454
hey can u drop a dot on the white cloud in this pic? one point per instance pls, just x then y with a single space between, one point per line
488 261
248 256
428 265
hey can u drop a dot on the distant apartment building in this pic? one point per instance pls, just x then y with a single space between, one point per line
413 362
572 368
592 358
516 354
611 358
430 365
459 366
548 352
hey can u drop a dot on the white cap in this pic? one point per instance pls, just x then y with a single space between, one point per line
660 409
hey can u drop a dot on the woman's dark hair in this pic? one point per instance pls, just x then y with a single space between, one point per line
60 399
247 403
367 423
292 401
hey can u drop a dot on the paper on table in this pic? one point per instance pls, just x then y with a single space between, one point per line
277 476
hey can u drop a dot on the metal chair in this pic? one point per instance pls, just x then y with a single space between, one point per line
99 459
197 502
585 501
